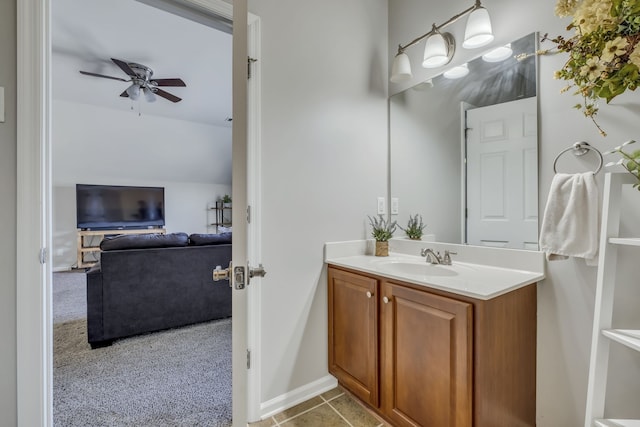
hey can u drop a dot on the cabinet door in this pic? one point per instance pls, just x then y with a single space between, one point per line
427 358
353 333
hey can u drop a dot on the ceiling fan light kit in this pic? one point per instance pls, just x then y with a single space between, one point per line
149 95
140 79
133 91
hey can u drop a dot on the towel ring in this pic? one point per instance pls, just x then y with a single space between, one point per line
579 149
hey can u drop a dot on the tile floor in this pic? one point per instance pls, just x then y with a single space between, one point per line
334 408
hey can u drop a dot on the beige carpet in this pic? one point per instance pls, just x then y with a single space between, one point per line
179 377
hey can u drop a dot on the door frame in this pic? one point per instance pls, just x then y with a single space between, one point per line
34 341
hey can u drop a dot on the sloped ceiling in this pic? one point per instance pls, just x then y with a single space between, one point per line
87 33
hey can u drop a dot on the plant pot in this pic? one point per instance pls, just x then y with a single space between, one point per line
382 248
415 238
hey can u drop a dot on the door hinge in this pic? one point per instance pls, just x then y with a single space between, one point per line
248 214
43 255
250 60
248 359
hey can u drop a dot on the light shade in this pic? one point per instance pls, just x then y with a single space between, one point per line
438 50
401 69
149 95
133 91
478 32
457 72
498 54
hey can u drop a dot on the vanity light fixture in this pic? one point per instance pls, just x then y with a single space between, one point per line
401 68
498 54
456 72
478 32
438 50
440 47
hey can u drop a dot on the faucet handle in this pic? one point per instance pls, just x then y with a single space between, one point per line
446 259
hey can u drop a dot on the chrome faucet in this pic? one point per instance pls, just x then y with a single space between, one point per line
433 257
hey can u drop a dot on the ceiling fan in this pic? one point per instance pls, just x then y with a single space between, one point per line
140 78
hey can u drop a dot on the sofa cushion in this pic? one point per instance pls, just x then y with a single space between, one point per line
209 239
142 241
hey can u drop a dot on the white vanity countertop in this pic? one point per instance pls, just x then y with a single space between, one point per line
480 281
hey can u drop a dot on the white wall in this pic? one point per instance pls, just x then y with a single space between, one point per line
8 215
324 139
566 297
93 145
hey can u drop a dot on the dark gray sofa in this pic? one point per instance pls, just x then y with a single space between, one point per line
136 289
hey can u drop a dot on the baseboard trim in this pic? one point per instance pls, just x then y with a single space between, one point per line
299 395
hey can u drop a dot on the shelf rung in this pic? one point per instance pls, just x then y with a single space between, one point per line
628 337
632 241
617 423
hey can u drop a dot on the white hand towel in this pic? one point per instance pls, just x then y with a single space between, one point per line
570 220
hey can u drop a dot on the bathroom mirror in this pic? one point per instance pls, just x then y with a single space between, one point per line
464 152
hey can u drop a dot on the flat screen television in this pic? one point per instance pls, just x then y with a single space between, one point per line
104 207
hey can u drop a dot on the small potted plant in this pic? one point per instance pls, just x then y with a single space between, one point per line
382 230
226 201
415 227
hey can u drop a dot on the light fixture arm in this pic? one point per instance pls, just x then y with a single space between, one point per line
436 28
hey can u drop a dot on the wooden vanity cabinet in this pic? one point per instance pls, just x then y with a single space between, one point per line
353 340
426 349
432 358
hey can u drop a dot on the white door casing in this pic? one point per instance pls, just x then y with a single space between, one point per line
502 178
239 196
33 302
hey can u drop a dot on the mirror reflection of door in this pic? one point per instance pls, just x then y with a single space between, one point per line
502 175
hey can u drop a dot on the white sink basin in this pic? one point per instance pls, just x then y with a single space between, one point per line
417 269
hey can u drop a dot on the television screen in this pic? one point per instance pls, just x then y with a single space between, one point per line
118 207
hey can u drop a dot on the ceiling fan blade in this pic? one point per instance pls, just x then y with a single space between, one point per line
124 67
168 82
102 75
166 95
124 94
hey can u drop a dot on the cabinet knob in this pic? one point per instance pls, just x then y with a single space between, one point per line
369 294
386 300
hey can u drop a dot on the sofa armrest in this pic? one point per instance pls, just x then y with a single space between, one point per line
95 324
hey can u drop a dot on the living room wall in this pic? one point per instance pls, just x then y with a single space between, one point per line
95 145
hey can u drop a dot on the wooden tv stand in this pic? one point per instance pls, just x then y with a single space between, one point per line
96 236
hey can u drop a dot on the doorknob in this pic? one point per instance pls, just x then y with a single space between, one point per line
238 274
259 271
221 273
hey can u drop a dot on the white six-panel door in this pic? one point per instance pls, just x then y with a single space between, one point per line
502 175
